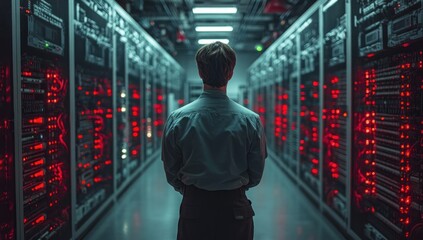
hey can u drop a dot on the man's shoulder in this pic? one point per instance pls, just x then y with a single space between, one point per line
184 109
195 107
244 111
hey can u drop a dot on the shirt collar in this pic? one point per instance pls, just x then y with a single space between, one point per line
214 93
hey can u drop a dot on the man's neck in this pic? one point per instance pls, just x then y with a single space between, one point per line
208 87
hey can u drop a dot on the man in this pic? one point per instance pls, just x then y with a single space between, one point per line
213 149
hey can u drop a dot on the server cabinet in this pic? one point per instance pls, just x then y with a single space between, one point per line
44 107
121 93
159 99
280 120
285 99
193 91
259 104
309 102
268 81
243 96
93 35
292 88
7 125
148 92
160 111
135 95
387 106
335 113
175 89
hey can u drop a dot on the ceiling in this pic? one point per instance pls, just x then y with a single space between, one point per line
257 22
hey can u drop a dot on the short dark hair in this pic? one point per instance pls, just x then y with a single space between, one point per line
215 62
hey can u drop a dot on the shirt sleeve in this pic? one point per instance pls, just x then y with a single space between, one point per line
256 155
171 155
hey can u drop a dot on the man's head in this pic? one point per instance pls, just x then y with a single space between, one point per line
215 62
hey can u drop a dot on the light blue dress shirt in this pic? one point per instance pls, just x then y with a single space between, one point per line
213 143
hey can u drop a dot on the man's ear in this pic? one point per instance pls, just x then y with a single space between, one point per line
229 76
200 74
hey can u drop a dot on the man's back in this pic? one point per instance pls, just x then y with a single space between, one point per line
214 135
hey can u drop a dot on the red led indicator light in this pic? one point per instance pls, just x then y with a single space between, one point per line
38 174
39 146
38 187
39 220
27 74
38 163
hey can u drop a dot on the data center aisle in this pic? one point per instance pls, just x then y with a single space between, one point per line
149 211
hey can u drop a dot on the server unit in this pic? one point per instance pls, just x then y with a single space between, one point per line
347 102
73 103
7 127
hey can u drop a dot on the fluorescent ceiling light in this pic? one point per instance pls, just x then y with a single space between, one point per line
214 10
214 29
207 41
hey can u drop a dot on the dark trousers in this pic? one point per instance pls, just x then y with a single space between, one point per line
215 215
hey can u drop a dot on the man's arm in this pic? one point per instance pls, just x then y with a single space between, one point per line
256 155
171 156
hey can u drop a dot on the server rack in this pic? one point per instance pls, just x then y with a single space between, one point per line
176 88
72 82
357 66
148 91
193 90
8 229
335 113
135 96
243 96
121 133
94 108
159 100
309 102
387 117
44 124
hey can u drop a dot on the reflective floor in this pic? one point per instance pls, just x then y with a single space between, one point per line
149 211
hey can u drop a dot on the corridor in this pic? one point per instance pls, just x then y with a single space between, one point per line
149 210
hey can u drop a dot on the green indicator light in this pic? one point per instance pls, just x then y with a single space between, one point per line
259 48
46 45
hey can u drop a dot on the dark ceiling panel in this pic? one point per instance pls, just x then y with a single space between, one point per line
167 19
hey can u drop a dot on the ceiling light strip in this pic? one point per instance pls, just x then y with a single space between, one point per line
214 29
207 41
214 10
